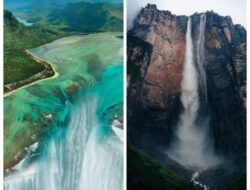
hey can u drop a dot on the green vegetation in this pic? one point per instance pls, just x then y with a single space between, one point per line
51 24
88 17
17 38
20 129
34 5
18 136
148 175
237 182
236 178
79 17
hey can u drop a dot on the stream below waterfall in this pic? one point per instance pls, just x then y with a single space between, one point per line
195 180
192 144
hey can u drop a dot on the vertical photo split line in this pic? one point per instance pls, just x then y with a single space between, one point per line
124 94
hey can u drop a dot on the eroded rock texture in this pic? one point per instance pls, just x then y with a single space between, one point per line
156 50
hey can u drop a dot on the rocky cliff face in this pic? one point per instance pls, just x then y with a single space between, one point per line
154 86
226 78
162 79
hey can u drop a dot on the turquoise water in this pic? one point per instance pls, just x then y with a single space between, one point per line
88 65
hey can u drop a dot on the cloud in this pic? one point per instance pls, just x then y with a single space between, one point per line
235 9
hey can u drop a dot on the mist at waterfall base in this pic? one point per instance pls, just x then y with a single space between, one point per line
192 143
81 151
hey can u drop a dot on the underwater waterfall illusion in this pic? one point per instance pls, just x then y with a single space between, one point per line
81 151
78 161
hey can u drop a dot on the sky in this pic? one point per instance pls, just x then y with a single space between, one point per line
234 8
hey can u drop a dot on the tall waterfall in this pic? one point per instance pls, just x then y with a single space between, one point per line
78 161
191 144
200 50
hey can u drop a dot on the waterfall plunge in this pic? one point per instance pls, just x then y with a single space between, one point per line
78 161
200 50
191 145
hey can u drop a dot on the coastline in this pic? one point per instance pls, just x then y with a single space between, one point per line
12 161
33 78
27 83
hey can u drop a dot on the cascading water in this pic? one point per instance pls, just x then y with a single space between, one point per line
80 149
200 52
191 145
78 161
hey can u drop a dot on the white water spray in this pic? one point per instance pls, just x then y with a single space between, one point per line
79 161
200 50
190 147
195 181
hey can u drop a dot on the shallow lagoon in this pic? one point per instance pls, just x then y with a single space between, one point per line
88 66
